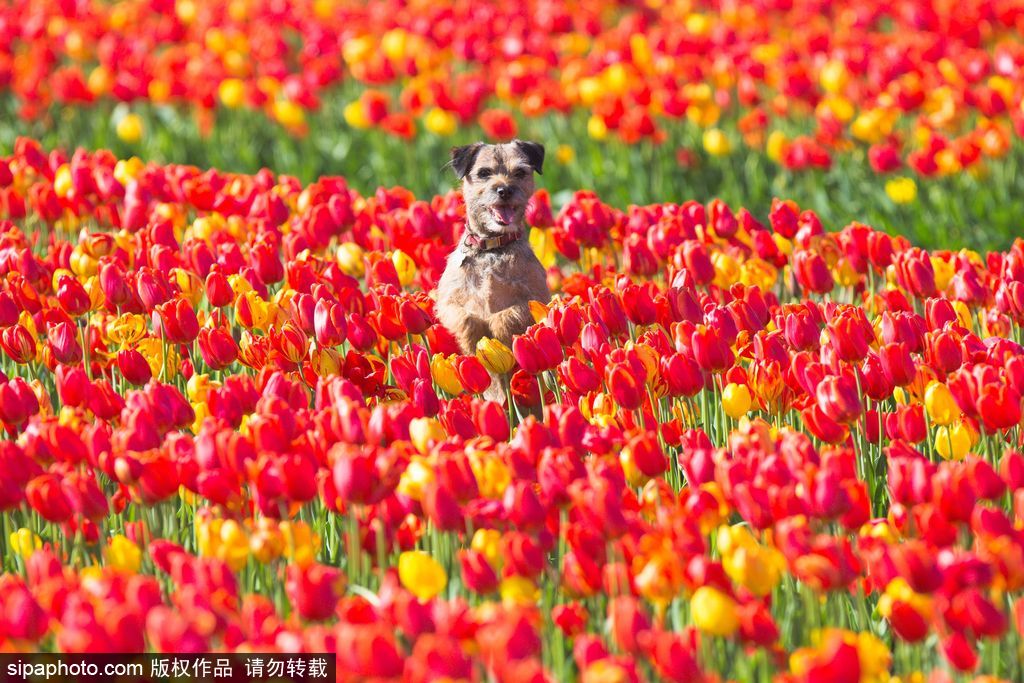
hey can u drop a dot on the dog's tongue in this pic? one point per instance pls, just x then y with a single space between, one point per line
505 214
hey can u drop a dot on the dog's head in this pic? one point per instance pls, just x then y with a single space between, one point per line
497 182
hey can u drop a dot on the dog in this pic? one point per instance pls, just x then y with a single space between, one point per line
493 274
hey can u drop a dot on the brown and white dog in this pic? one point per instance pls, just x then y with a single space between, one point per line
493 274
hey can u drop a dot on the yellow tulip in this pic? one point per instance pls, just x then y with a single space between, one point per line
716 143
266 543
100 81
424 432
421 574
714 612
756 567
416 477
126 329
301 545
940 404
199 386
440 122
160 359
518 591
443 372
130 128
901 190
776 145
597 128
350 259
488 543
127 170
404 266
543 245
394 44
231 92
834 76
24 543
289 114
354 114
495 356
234 544
953 442
736 400
124 555
62 184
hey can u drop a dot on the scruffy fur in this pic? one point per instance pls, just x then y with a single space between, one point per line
487 293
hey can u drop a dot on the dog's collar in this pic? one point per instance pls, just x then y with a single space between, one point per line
488 243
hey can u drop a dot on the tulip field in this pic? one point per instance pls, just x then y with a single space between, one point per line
901 113
769 427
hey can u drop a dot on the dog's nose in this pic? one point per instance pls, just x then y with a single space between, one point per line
503 191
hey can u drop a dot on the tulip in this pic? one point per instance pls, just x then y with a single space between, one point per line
527 354
714 612
124 555
45 495
471 373
314 590
623 385
421 574
940 404
179 321
64 344
18 343
442 370
134 367
496 356
217 348
953 442
736 400
24 543
72 297
477 573
329 326
425 432
839 399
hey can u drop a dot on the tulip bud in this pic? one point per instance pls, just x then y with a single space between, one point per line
495 356
714 612
421 574
940 404
424 432
736 400
134 367
953 442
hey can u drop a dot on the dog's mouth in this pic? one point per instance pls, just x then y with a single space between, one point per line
503 214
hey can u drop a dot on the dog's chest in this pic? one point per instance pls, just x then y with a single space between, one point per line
491 278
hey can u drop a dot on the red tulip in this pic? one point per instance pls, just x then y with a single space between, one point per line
18 343
217 348
179 321
477 574
134 367
46 496
625 388
329 325
472 374
314 590
63 343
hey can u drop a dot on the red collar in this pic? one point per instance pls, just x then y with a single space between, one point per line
488 243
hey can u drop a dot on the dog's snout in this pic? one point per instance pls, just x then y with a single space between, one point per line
504 191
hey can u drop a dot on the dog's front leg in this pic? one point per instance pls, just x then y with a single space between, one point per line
468 331
509 322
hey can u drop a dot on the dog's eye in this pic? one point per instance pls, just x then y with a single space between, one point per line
519 173
484 173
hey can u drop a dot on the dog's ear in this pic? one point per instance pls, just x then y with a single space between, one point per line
534 152
463 158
